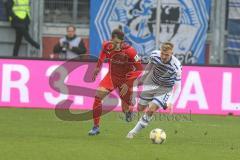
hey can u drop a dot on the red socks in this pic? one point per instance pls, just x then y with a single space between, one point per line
97 110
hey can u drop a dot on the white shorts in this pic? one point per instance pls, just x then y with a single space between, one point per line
156 94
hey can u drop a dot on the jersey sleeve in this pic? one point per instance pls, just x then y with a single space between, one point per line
175 92
177 87
136 61
154 57
178 73
132 54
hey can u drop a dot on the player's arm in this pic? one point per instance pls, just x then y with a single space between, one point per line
148 68
175 92
135 59
132 76
101 59
145 73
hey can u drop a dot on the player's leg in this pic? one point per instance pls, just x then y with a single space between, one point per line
97 109
144 120
142 105
97 105
103 90
144 100
146 96
128 111
159 100
127 105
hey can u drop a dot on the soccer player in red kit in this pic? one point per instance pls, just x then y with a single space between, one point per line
124 67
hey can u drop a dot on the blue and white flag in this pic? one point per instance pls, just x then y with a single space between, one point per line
182 22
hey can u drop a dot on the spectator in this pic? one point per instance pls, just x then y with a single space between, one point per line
19 14
70 46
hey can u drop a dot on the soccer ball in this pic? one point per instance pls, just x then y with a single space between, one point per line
158 136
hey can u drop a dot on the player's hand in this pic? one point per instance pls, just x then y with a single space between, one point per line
132 75
95 73
124 89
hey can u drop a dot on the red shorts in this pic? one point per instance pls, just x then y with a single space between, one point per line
111 83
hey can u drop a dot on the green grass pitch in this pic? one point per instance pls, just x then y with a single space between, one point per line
27 134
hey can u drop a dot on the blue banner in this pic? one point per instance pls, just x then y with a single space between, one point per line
183 22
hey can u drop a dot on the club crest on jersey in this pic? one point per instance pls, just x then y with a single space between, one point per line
108 47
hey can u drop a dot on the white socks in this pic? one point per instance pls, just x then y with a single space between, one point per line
142 123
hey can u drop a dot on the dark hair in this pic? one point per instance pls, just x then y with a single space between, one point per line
71 26
118 33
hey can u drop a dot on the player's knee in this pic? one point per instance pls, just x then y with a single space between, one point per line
125 103
101 92
151 110
152 107
141 108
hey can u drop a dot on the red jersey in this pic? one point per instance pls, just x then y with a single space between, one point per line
123 63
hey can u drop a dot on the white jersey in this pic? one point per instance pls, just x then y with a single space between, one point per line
74 43
164 74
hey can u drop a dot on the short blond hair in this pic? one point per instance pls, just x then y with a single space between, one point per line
167 46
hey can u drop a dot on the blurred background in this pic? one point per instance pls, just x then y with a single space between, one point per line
205 32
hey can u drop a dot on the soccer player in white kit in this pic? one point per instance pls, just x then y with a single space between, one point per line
161 85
